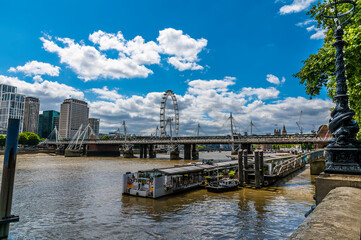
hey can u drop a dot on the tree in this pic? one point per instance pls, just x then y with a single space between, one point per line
23 139
105 137
2 140
28 138
33 139
318 70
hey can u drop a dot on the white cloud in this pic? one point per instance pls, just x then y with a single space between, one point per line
296 6
305 23
184 49
51 94
320 33
106 94
275 80
209 102
92 62
89 64
35 68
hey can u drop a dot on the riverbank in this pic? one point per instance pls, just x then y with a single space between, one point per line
22 151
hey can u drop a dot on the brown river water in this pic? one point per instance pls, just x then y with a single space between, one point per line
80 198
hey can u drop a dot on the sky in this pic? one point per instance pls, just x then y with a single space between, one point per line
121 56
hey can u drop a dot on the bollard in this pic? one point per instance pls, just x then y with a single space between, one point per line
7 182
245 167
256 169
240 167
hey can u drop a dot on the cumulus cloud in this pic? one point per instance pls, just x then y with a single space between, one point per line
184 48
92 62
296 6
51 94
106 94
35 68
89 63
319 32
275 80
209 103
305 23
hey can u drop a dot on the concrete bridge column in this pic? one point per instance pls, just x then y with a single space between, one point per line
174 153
187 151
141 151
145 150
152 153
195 152
247 146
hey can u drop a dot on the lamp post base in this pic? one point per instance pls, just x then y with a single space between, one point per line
343 160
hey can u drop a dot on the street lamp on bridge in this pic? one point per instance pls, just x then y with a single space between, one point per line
343 153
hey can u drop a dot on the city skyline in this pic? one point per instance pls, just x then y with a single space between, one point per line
213 60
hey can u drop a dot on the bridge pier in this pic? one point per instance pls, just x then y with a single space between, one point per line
141 151
152 153
195 152
145 146
187 152
174 153
247 146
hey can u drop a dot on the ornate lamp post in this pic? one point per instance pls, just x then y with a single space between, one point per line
343 153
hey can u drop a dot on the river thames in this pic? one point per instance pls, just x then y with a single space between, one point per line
80 198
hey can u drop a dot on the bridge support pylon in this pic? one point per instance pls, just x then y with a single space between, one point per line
152 153
187 152
195 152
141 151
174 153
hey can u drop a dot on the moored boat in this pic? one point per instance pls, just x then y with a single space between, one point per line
223 185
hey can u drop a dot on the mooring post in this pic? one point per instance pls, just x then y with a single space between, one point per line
256 169
8 177
261 167
245 167
240 167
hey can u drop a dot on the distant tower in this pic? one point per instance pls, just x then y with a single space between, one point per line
277 132
94 124
73 113
31 115
284 131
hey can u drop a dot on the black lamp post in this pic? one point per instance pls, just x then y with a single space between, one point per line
343 153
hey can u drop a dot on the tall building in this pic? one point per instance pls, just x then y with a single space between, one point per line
73 114
11 106
94 124
31 115
48 120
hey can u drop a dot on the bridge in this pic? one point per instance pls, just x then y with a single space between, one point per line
147 144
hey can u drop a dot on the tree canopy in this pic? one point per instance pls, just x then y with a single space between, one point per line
318 70
28 138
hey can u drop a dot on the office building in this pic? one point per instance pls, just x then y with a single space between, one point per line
31 115
94 124
73 114
48 120
11 106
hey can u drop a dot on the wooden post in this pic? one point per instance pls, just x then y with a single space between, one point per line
8 177
256 169
240 167
245 167
261 167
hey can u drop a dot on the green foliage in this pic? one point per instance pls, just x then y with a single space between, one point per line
105 137
2 140
28 138
318 70
23 139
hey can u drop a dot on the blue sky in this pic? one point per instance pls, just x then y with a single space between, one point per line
217 56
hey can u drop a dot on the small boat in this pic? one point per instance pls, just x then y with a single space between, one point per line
223 185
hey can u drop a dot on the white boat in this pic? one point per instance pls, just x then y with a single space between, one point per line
224 185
